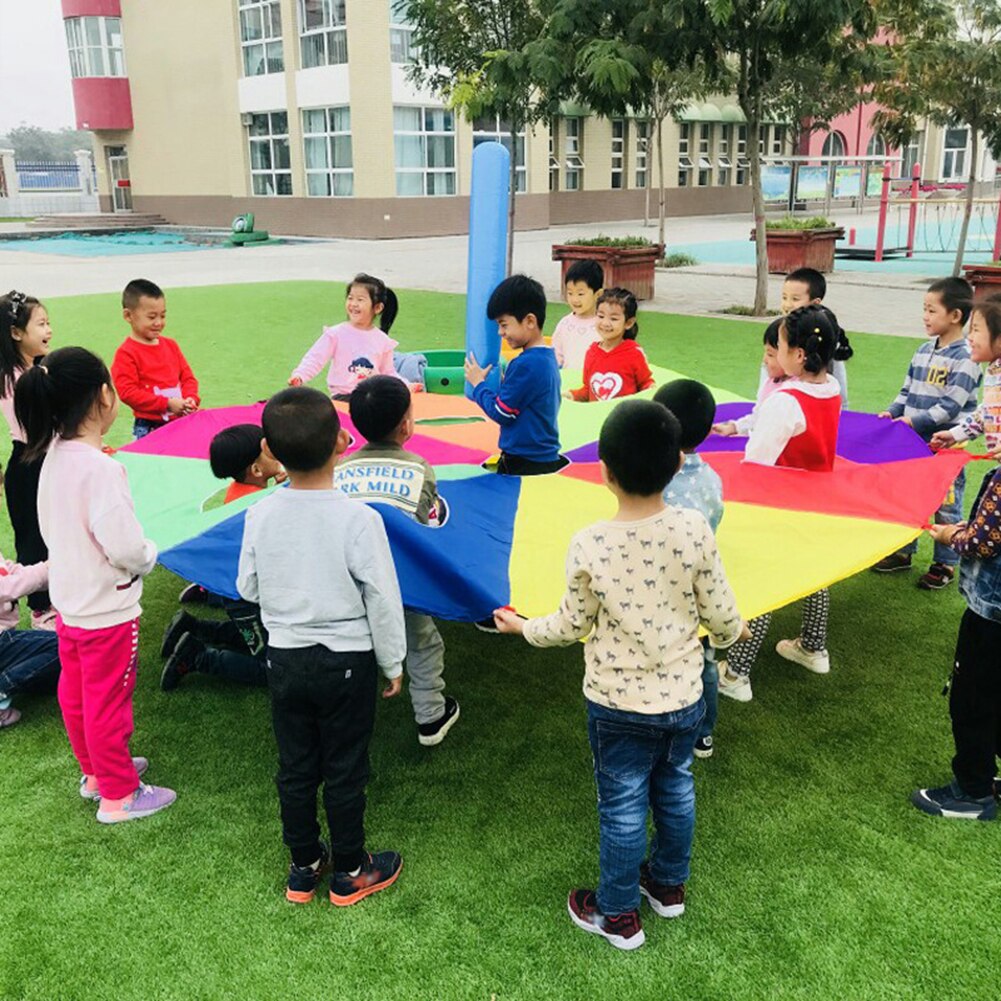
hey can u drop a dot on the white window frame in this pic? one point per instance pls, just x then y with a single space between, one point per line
913 154
723 162
685 165
778 140
954 157
762 139
272 53
618 179
705 142
554 162
431 177
275 141
740 152
573 178
401 36
335 130
501 133
331 32
92 56
642 176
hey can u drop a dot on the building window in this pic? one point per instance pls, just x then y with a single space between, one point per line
779 140
723 162
912 154
270 165
554 163
685 165
261 37
424 141
574 177
327 146
401 46
322 31
741 152
875 146
705 148
642 152
492 128
834 145
954 157
618 153
95 46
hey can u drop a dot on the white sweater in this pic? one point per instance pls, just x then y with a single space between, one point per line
97 552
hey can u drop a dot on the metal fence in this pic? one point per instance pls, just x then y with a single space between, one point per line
43 176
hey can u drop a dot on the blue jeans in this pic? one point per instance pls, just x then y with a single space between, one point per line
29 661
949 513
642 763
710 691
141 427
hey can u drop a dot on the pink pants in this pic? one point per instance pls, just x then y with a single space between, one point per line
95 696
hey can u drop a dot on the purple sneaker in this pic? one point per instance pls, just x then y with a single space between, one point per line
88 784
144 802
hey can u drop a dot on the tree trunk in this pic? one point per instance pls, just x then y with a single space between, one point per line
968 207
511 196
661 202
758 200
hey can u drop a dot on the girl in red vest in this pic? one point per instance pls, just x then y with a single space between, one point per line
797 427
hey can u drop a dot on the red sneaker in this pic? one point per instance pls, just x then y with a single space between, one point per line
667 901
624 931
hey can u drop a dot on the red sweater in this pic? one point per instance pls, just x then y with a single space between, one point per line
815 448
147 375
622 371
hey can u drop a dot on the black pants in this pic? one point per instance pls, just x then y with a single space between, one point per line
323 712
515 465
975 704
21 487
236 646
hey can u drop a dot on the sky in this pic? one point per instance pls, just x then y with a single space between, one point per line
34 67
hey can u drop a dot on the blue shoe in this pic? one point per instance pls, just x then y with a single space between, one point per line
303 880
950 801
376 873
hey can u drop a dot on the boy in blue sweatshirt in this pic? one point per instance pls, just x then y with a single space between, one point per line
529 398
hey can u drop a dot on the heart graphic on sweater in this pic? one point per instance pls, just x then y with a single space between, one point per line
605 385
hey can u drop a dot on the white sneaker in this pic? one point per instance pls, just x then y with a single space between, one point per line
736 687
818 661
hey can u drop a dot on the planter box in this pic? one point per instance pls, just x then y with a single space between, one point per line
625 267
789 249
986 280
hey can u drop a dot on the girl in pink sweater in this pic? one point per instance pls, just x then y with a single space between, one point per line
355 349
97 559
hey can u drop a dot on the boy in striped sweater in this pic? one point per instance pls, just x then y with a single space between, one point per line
940 390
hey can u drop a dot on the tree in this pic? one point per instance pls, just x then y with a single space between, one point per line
945 66
474 53
32 143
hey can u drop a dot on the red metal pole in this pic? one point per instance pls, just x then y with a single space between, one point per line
997 236
913 221
884 204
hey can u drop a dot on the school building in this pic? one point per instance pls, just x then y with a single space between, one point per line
301 111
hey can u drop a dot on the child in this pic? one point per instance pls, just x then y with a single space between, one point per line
29 661
807 287
577 331
235 648
529 398
774 377
798 428
643 667
974 691
25 334
151 374
319 566
356 349
985 334
697 486
97 559
385 472
939 391
615 365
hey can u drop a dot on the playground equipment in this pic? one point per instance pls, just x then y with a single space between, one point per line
445 372
243 232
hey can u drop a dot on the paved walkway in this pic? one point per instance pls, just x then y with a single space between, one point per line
880 303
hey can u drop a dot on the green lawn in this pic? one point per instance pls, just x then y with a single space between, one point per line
813 877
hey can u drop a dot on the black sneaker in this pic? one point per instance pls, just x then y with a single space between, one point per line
624 931
377 872
429 734
181 662
180 624
950 801
938 576
704 747
667 901
193 594
303 880
487 625
893 562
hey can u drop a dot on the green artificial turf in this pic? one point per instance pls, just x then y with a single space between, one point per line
813 877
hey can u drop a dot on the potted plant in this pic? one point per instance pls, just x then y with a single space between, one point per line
985 278
794 242
627 261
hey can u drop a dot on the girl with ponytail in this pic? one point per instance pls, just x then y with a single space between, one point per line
25 333
355 349
97 559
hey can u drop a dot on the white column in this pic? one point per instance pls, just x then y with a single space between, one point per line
9 171
85 166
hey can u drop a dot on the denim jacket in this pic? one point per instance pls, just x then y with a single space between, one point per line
979 569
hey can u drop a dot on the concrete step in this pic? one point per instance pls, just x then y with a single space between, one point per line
98 221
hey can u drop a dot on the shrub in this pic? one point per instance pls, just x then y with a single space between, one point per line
611 241
677 260
798 223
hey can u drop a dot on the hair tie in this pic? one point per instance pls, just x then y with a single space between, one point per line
15 300
816 330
